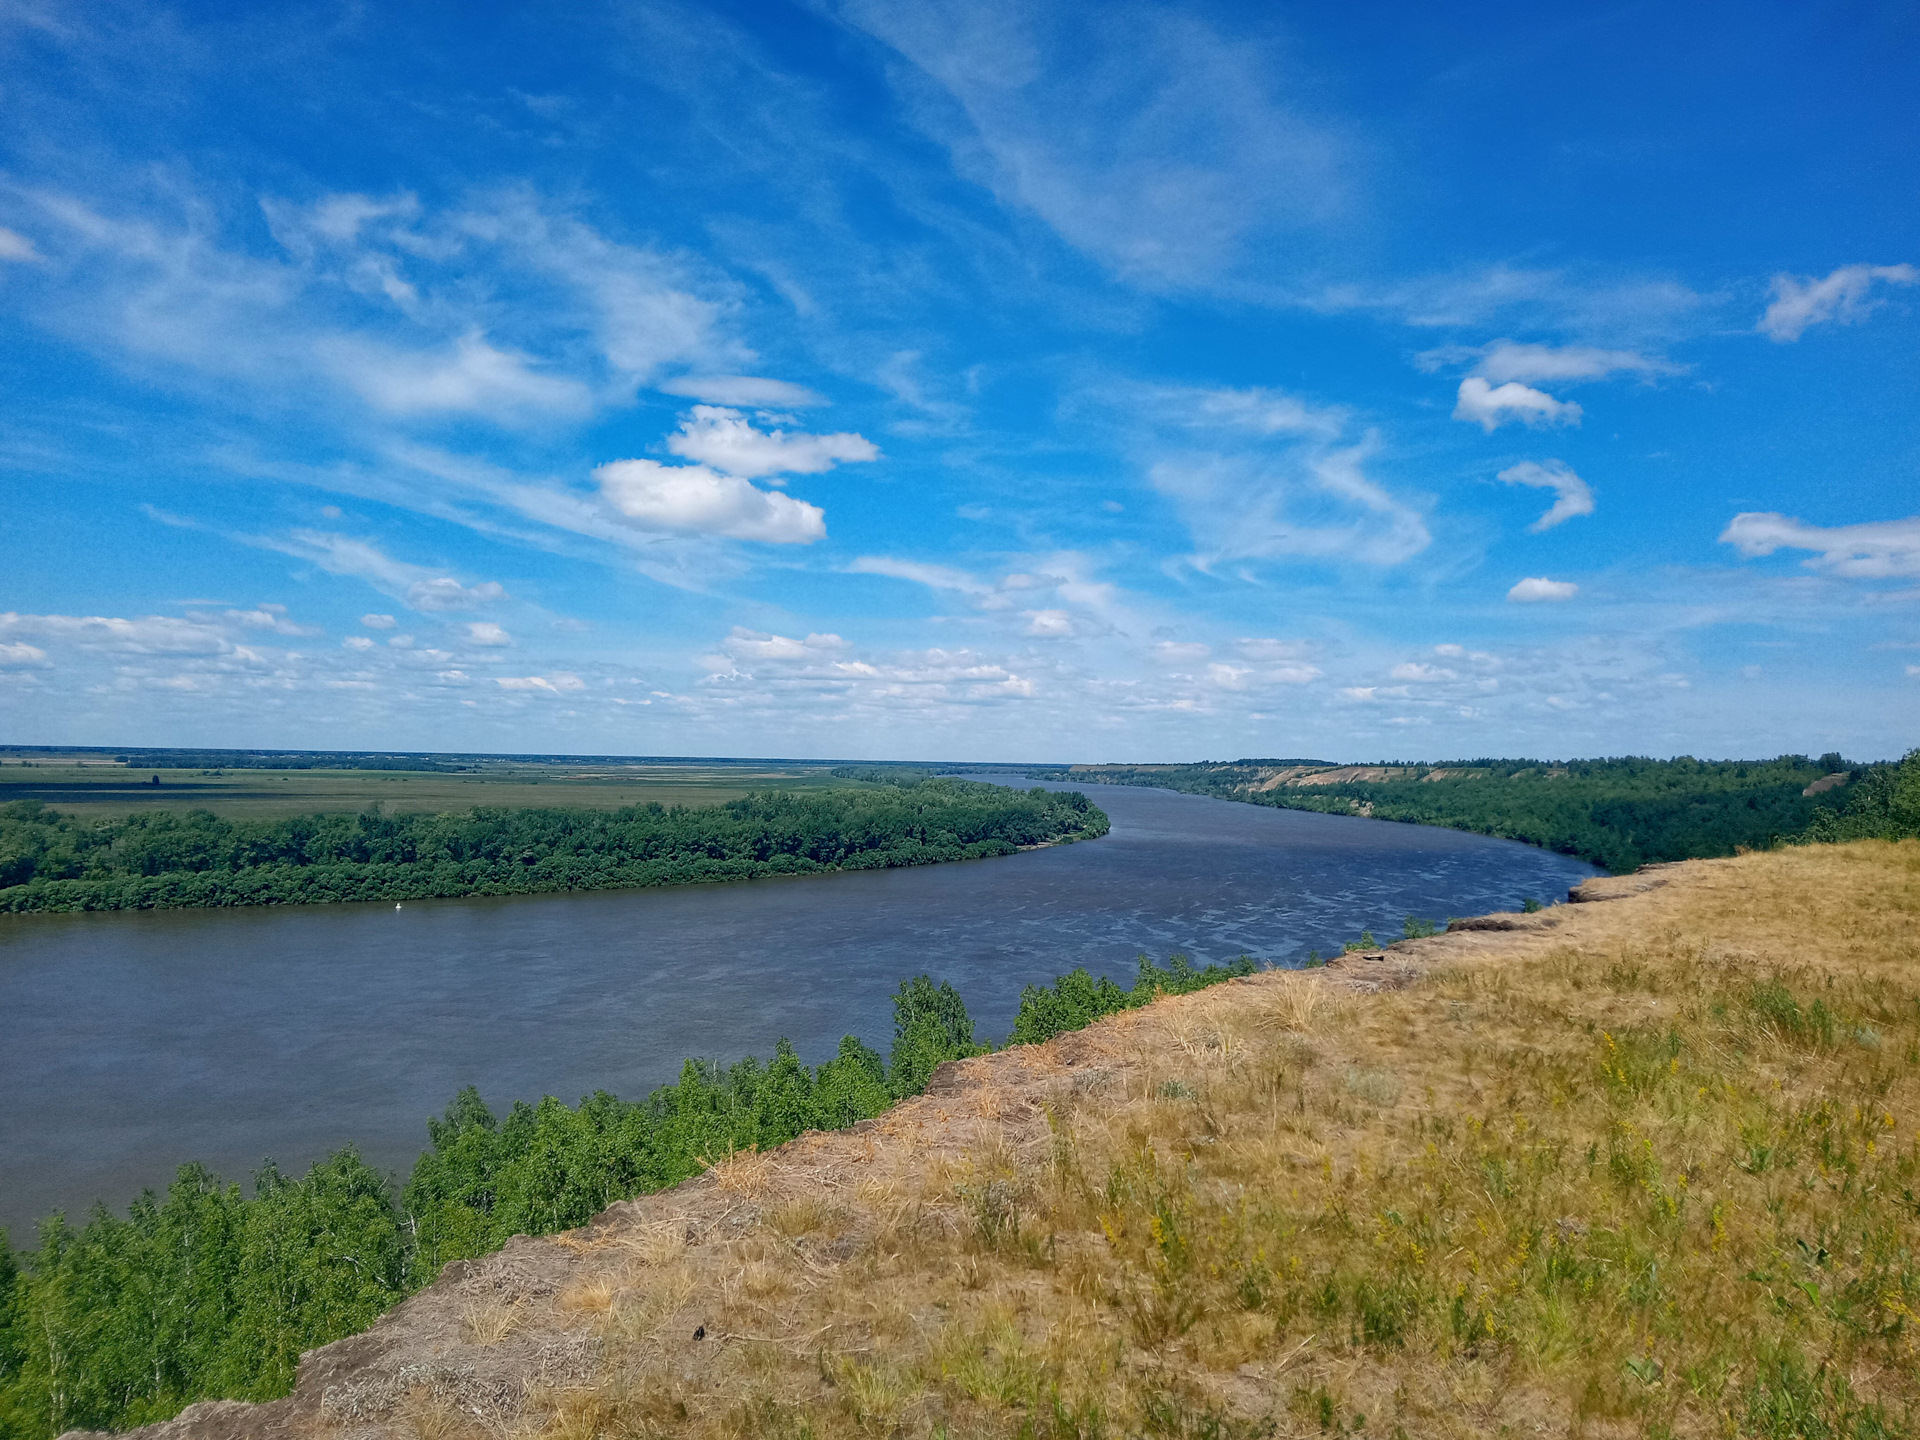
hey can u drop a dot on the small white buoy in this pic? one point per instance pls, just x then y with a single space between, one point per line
396 904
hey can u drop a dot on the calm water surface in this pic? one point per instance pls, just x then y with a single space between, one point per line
133 1041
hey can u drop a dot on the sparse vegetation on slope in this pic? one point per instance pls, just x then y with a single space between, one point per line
208 1293
1621 813
1638 1168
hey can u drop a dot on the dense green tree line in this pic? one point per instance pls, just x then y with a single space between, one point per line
1882 804
208 1292
158 860
1077 999
1618 813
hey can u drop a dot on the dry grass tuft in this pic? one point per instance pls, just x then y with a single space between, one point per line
591 1295
488 1322
746 1173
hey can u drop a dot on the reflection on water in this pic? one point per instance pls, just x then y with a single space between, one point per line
135 1041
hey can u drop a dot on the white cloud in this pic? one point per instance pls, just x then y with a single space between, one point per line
1491 406
1573 497
727 441
377 622
1049 624
149 635
1801 302
1506 360
357 642
1536 588
557 683
22 654
692 499
16 248
1174 652
268 617
748 390
824 676
443 593
934 577
1415 670
485 632
1877 550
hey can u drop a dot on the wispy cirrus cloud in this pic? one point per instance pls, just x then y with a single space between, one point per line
372 299
1844 297
1506 360
1572 495
1146 137
1260 474
1876 550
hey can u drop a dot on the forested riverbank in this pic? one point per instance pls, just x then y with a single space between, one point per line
1619 813
50 861
207 1292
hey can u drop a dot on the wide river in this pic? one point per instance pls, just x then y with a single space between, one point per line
130 1042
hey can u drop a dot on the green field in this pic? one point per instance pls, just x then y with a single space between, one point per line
98 789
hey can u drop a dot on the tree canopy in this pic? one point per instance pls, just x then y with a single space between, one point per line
158 860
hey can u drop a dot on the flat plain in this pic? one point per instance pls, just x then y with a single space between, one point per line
98 789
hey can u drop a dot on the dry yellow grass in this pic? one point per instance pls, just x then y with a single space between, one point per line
1651 1171
1642 1168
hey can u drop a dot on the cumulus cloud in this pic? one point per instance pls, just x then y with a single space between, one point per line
782 674
21 654
485 632
1538 588
1845 297
1572 496
16 248
1178 652
754 391
357 642
1509 360
1491 406
147 635
1049 624
696 500
725 440
377 622
1877 550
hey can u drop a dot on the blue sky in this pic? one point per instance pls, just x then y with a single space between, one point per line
962 380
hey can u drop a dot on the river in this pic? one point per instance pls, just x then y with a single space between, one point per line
133 1041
